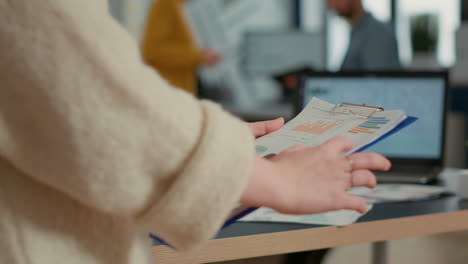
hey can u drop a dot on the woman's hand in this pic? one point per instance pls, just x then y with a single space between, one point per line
306 180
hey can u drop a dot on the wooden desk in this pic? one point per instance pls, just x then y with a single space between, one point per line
384 222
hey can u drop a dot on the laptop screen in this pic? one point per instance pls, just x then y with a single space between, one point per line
420 96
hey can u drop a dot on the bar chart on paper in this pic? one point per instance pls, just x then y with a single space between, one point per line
318 127
370 126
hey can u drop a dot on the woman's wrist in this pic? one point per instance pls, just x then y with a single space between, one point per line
266 186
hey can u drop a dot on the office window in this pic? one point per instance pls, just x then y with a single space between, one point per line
448 17
339 31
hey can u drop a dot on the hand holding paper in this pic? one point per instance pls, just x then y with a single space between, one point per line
317 123
306 180
315 163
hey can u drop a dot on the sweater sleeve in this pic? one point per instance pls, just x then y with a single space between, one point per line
168 39
81 113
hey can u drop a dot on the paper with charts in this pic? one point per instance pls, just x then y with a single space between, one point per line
336 218
317 123
321 121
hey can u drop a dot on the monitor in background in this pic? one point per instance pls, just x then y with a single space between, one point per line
422 95
274 52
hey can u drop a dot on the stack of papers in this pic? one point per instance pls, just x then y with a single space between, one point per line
385 193
336 218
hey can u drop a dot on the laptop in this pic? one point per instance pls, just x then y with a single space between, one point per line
417 152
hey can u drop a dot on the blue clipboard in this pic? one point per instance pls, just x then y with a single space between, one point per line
408 121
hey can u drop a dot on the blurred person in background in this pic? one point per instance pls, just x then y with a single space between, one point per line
169 46
373 44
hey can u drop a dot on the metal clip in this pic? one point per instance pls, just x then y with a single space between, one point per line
348 107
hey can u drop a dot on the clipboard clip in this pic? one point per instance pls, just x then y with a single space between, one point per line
359 110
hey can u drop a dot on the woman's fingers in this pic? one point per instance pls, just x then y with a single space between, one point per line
318 177
369 161
338 145
353 202
363 178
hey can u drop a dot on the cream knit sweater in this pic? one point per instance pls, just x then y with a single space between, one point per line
96 150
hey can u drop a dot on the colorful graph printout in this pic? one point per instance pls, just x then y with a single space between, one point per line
318 127
370 126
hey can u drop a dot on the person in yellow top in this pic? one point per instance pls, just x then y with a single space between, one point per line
169 47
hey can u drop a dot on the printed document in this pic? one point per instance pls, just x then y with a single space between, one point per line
317 123
390 192
321 121
335 218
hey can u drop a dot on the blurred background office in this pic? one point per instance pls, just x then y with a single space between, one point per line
261 39
262 43
231 19
262 46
